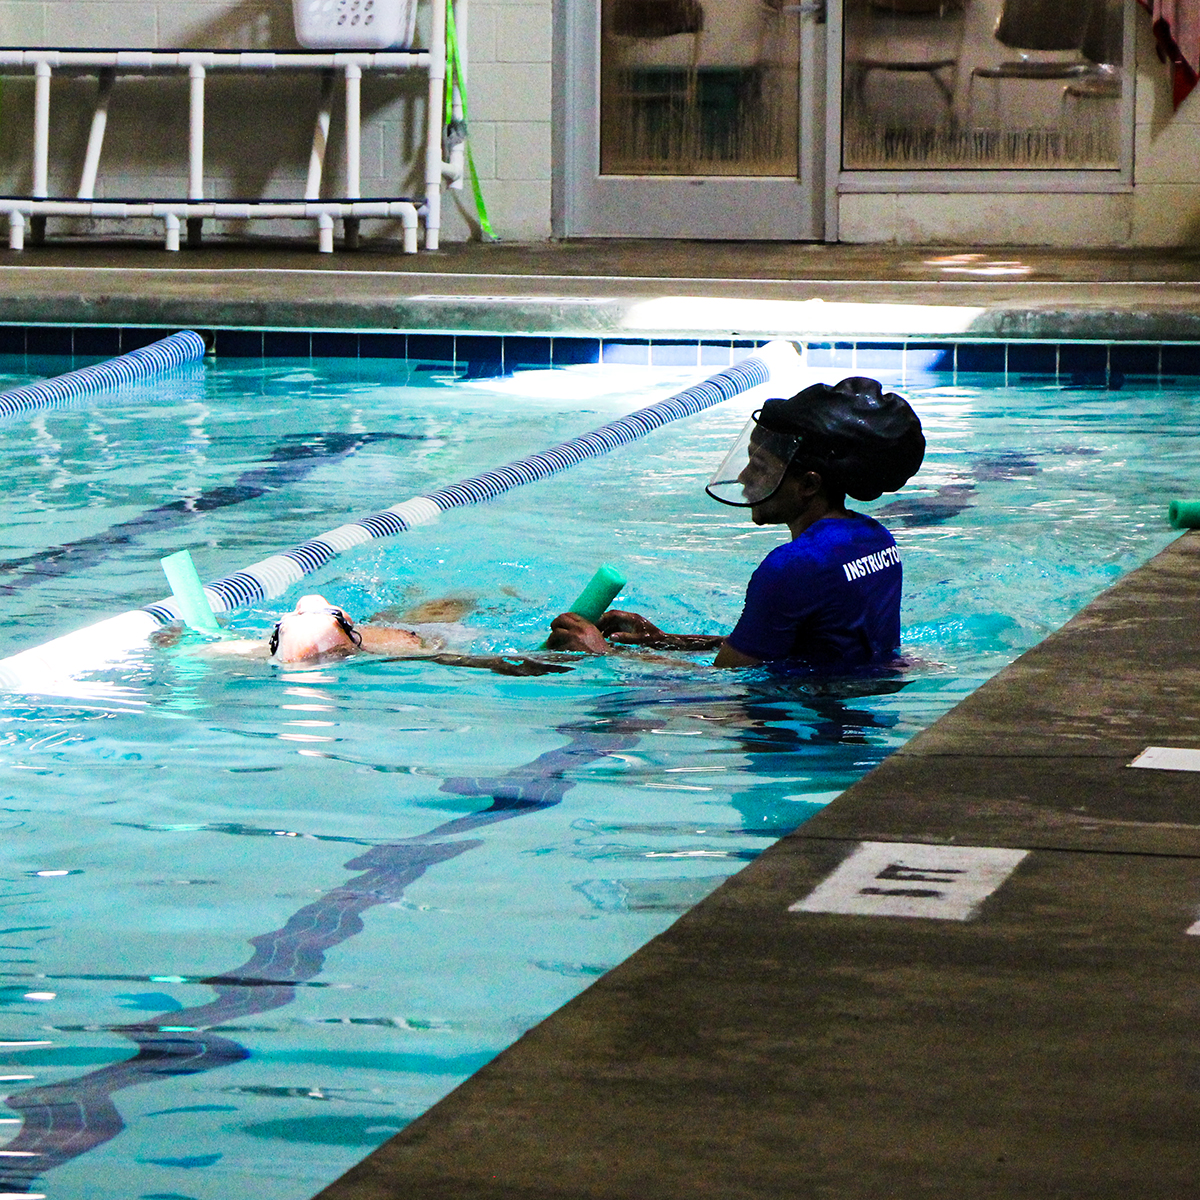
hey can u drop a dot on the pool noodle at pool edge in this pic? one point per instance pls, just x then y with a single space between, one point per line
1184 514
107 642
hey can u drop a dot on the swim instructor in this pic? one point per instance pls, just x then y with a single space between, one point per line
829 599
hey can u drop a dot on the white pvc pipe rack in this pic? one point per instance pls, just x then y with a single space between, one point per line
350 208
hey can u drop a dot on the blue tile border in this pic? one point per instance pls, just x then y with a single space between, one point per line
990 358
629 352
1037 358
1180 360
1143 360
1069 364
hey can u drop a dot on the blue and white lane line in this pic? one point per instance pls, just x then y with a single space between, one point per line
62 660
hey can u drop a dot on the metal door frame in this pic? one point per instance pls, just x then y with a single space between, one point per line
587 204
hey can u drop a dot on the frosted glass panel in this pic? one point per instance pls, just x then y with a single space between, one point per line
982 84
699 87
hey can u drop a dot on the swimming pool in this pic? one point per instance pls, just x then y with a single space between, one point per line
318 899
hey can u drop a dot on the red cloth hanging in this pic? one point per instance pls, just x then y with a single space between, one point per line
1177 31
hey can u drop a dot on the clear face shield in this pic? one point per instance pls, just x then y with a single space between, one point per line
753 470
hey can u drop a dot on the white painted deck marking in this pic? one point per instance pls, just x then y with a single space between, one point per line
1168 758
903 879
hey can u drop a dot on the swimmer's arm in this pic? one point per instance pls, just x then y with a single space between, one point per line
225 648
501 664
389 639
234 648
727 655
403 643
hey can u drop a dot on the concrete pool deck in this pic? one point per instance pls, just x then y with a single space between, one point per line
629 288
1045 1048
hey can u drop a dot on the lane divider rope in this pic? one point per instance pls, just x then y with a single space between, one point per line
274 575
159 356
106 641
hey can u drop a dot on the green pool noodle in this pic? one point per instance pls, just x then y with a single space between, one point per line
185 584
600 592
1184 514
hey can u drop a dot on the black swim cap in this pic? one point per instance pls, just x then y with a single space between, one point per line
867 440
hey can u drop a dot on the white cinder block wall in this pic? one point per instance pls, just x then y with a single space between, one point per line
259 132
259 127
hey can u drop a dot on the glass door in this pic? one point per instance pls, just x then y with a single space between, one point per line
691 119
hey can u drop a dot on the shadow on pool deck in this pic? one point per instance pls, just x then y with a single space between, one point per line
1047 1047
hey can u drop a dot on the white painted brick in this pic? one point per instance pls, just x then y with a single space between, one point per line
483 149
510 91
395 160
523 34
523 150
1153 78
481 35
1171 156
519 209
100 23
258 24
22 24
1166 215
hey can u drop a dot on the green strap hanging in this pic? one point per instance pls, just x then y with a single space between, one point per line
454 74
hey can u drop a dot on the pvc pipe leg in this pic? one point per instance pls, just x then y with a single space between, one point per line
196 132
171 222
325 233
195 232
409 223
354 130
434 129
91 161
16 231
350 230
41 128
37 230
320 143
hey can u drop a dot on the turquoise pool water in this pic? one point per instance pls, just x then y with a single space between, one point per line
257 919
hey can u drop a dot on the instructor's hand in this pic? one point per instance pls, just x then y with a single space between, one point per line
570 631
628 627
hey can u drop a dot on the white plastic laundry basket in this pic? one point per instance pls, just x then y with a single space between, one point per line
354 24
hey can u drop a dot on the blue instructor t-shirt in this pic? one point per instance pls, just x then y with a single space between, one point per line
830 597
